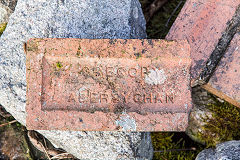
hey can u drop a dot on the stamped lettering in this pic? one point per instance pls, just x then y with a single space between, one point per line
99 81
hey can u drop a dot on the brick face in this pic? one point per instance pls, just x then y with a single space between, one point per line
202 23
82 84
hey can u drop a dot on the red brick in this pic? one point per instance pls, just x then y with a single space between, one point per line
225 82
82 84
202 23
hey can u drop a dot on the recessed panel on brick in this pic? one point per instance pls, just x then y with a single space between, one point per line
107 85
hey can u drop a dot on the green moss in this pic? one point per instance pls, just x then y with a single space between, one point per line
59 65
79 51
172 145
2 27
123 51
223 125
138 55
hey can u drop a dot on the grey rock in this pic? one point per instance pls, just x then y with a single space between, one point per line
228 150
198 113
206 154
5 12
70 19
225 151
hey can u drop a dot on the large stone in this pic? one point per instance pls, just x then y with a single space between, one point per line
70 19
227 151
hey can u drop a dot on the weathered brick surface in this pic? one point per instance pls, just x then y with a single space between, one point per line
82 84
202 23
225 82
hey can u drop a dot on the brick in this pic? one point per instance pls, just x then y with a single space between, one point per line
202 23
225 80
106 85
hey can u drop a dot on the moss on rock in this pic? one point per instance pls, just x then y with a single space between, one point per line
223 125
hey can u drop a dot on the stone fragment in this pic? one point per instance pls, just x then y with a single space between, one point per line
4 14
70 19
13 144
9 3
206 154
202 23
227 150
225 81
126 85
199 113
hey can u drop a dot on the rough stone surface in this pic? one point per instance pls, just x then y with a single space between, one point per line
199 112
4 13
123 85
225 151
202 23
9 3
207 154
70 19
225 80
13 144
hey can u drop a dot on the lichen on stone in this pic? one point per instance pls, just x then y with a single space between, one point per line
156 77
59 65
2 28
